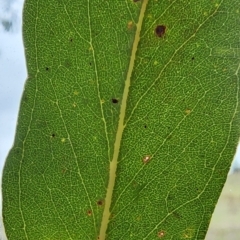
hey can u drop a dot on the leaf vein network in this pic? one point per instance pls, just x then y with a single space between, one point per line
170 59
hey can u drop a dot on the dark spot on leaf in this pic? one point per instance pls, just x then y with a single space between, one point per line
90 64
47 68
160 30
100 202
70 39
53 135
89 213
114 100
145 126
193 58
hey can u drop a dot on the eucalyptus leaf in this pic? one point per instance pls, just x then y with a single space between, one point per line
128 122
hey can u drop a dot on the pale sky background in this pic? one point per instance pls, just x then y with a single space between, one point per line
13 75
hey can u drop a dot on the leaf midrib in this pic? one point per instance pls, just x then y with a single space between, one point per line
114 162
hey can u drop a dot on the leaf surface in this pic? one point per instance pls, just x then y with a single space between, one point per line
128 121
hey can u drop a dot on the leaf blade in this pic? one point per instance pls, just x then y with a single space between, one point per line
183 78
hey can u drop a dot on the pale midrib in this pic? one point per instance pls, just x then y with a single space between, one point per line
114 162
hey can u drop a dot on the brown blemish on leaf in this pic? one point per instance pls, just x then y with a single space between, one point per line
100 202
130 25
161 234
89 213
160 30
146 159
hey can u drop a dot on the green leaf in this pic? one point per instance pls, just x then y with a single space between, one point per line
128 122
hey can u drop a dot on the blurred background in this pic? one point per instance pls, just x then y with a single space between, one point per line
225 222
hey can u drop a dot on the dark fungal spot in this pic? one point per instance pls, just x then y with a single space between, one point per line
70 39
47 68
114 100
53 135
145 126
160 30
193 58
100 202
89 213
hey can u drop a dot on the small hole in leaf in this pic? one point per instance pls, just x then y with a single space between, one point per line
160 30
114 100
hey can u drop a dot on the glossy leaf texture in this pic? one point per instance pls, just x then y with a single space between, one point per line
128 122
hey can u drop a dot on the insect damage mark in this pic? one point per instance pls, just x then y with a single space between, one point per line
89 213
130 25
53 135
161 234
146 159
160 30
114 100
100 202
